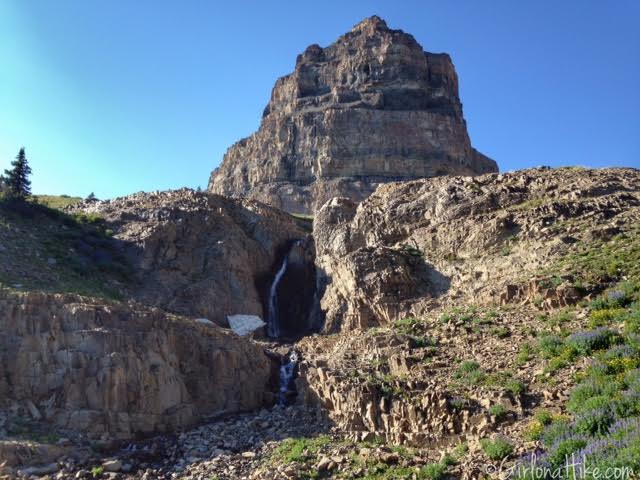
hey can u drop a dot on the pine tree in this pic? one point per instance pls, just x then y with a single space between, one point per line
17 179
91 198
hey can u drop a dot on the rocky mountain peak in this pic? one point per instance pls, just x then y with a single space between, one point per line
370 25
370 108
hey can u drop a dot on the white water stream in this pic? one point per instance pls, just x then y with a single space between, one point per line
273 319
287 370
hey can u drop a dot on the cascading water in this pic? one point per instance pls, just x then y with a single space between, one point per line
287 370
273 317
273 321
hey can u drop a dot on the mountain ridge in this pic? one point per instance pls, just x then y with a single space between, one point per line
371 107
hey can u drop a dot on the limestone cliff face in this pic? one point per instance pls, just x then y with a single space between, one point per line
412 246
122 369
198 254
370 108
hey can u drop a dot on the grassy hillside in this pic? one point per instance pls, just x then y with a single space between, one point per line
56 201
42 248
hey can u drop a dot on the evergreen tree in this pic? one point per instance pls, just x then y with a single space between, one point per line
91 198
17 179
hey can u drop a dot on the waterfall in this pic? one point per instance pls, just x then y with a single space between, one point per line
273 320
287 370
273 317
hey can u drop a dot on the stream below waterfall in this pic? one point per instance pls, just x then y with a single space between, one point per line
287 373
274 331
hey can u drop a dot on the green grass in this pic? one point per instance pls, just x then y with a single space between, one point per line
600 262
413 328
304 221
497 449
303 216
469 373
293 450
58 202
411 250
498 411
382 471
303 454
603 426
529 204
524 354
48 250
501 331
388 385
97 472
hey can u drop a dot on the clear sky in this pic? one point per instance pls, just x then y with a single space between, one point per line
119 96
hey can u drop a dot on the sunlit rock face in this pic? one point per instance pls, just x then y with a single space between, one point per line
370 108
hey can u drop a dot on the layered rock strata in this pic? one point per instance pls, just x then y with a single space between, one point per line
412 246
370 108
199 254
122 369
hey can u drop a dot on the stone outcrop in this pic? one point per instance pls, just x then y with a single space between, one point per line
415 245
370 108
368 406
199 254
122 369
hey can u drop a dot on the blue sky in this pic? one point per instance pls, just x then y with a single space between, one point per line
120 96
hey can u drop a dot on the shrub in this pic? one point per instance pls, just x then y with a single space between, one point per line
562 450
496 449
433 471
545 417
460 450
421 342
498 410
564 316
583 395
515 386
619 352
623 295
556 430
96 471
550 346
406 324
603 317
632 321
469 372
458 403
588 341
524 355
541 419
533 430
595 422
627 405
633 340
561 361
632 379
501 332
